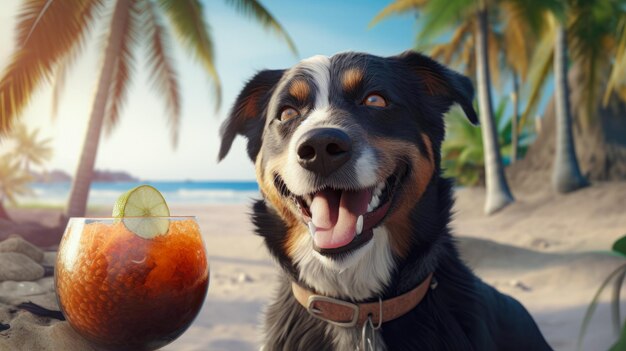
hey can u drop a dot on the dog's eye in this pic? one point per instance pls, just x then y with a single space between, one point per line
288 113
375 100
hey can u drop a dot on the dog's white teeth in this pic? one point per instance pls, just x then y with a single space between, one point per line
359 225
374 203
379 189
312 229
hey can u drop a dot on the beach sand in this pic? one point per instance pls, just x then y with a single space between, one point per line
543 250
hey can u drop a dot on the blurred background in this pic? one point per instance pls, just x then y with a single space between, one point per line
97 96
140 144
169 85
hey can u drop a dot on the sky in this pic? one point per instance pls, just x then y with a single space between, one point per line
140 144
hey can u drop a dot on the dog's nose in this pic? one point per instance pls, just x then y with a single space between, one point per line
324 150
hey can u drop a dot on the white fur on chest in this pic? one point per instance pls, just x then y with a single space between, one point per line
350 339
362 275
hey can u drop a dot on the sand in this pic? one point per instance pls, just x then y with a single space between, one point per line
545 250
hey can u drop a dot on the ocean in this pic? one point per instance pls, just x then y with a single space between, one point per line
175 192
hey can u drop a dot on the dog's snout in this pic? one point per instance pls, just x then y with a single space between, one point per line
324 150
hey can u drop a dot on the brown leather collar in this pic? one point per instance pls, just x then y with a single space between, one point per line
348 314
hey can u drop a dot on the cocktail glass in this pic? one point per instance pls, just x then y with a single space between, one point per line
124 291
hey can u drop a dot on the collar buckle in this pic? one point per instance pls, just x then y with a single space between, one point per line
337 312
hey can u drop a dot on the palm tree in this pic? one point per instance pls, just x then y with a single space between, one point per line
498 193
593 35
29 149
510 40
617 79
13 182
552 56
520 27
475 43
471 18
462 153
513 29
50 34
566 175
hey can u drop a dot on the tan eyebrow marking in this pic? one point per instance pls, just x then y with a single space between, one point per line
300 90
351 79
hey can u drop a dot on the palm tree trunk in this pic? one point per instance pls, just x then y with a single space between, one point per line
514 121
498 193
566 175
82 181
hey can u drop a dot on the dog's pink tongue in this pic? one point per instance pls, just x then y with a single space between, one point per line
335 213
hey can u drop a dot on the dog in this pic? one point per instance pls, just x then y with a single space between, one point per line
355 209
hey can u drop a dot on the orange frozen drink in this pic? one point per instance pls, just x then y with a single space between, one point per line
127 291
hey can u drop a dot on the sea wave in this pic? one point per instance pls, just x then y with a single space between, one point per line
210 196
174 193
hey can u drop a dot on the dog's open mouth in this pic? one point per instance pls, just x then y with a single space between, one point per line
342 220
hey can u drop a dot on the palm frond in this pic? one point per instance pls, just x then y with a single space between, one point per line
256 11
499 112
440 15
540 68
186 16
517 38
62 71
46 32
397 7
28 147
533 12
460 35
439 52
594 303
123 66
467 58
590 24
592 80
160 62
617 77
59 86
60 78
13 179
615 302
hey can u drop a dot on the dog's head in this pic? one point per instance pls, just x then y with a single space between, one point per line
344 145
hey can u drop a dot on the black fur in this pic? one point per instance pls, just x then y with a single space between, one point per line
462 312
245 116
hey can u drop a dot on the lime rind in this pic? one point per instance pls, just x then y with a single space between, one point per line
142 210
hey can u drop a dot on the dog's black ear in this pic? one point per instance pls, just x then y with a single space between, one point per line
442 82
246 116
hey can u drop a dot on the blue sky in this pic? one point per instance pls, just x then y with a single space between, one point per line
140 144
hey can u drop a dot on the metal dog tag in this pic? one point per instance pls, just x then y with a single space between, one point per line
368 336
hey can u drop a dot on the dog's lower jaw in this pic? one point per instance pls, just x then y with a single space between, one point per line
361 276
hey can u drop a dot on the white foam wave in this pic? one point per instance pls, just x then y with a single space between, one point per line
60 196
210 195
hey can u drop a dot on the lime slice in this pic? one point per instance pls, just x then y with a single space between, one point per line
142 210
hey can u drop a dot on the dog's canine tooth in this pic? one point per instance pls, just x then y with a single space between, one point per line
374 203
379 189
312 229
326 85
